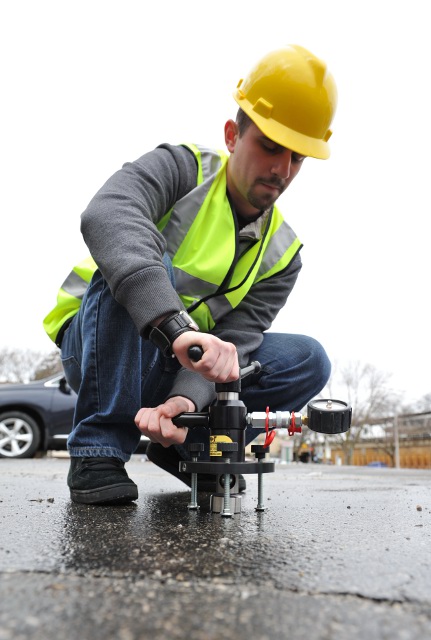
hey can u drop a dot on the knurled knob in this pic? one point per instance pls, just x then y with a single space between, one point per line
196 447
227 447
259 451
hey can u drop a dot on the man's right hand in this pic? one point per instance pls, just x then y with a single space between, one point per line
219 362
156 422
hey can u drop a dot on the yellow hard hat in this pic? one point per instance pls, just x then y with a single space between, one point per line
291 97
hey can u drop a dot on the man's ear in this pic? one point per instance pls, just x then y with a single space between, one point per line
230 135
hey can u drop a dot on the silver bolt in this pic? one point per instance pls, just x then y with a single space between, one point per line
193 504
260 506
226 498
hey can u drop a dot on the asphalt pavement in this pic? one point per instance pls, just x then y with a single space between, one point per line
339 553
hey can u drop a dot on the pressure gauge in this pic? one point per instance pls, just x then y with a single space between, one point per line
329 416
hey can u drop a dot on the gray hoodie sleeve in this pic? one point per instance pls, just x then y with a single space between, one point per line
119 229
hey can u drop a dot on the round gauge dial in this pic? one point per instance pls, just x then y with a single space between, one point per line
329 416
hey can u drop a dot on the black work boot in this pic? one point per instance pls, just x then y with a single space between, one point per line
168 458
100 481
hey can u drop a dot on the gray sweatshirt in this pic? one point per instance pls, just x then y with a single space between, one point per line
119 228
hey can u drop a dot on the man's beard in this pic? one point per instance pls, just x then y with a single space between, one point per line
263 201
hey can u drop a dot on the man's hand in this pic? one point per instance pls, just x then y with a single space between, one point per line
156 423
219 362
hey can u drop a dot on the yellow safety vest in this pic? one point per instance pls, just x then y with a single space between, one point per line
201 241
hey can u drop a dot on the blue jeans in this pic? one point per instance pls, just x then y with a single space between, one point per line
115 373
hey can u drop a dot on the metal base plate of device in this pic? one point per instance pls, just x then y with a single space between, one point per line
219 468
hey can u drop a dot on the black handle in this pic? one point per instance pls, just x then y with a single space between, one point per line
191 420
253 367
195 352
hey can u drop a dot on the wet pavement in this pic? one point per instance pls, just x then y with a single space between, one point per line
339 553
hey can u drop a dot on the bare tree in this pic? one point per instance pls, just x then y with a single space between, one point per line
367 390
421 406
19 365
49 365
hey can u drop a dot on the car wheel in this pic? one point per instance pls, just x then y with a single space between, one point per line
19 435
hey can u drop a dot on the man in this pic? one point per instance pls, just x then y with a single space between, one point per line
185 228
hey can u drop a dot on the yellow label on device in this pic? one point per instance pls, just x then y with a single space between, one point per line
214 452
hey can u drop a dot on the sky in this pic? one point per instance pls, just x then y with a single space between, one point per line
89 85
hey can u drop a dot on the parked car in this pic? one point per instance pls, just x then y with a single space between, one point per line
37 416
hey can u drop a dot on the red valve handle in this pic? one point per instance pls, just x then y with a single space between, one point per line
270 435
292 427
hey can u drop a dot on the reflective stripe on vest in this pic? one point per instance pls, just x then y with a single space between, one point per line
176 225
69 297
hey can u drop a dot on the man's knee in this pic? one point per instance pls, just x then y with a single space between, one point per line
319 361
